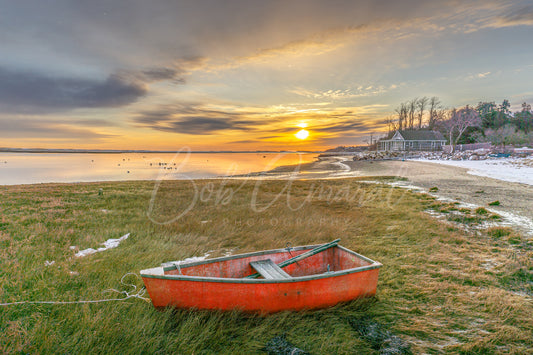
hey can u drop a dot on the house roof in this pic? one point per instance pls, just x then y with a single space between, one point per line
421 135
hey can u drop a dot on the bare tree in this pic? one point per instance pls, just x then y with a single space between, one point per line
412 108
404 113
441 115
402 116
391 125
399 114
434 107
458 122
421 102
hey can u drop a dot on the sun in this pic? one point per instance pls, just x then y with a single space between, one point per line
302 134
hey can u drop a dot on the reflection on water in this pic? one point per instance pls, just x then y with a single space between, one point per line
29 168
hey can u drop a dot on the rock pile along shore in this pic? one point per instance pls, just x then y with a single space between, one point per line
479 154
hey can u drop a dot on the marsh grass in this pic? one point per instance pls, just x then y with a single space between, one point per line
441 289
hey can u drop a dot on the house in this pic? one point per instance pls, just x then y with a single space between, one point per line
408 140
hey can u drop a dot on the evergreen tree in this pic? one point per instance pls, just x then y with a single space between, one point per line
523 120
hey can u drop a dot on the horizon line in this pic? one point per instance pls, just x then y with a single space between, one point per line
148 151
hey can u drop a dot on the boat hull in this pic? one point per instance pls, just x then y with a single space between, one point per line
264 295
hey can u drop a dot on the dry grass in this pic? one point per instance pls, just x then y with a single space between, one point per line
441 289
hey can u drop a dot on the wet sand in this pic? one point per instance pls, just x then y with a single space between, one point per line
322 168
453 183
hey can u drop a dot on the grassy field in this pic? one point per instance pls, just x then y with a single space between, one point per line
442 289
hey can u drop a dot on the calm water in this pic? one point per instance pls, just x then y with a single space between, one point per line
30 168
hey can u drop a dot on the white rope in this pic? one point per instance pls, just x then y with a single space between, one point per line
139 294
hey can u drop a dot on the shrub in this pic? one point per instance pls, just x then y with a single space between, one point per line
494 203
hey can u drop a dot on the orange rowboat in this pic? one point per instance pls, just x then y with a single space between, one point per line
305 277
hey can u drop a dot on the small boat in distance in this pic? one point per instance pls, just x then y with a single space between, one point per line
305 277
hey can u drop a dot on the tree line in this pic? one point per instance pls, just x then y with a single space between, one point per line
485 122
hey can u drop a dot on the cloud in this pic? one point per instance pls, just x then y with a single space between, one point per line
33 92
338 125
316 44
339 94
203 125
175 72
44 128
93 122
194 119
203 119
522 16
345 126
160 74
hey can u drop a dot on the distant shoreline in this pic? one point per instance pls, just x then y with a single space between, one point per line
121 151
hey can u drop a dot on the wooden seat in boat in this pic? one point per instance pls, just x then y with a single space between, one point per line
269 270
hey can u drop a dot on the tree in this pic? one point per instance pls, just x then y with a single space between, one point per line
434 107
488 112
506 135
411 114
391 125
422 102
504 114
523 120
412 109
458 122
402 116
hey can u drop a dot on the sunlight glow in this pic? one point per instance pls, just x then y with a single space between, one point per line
302 134
302 125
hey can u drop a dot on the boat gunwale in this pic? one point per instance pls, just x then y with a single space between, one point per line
167 267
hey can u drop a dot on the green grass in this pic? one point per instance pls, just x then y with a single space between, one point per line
481 211
441 289
498 232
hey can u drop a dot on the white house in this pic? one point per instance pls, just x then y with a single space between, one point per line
407 140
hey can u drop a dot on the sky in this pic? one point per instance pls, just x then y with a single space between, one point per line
247 74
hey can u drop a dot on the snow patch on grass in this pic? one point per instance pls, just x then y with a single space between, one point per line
108 244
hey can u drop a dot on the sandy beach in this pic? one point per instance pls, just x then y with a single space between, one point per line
453 183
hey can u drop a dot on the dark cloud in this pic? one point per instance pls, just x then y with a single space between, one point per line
30 91
161 74
175 73
192 118
336 123
345 126
204 125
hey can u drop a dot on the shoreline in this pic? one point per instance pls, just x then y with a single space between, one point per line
455 183
122 151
